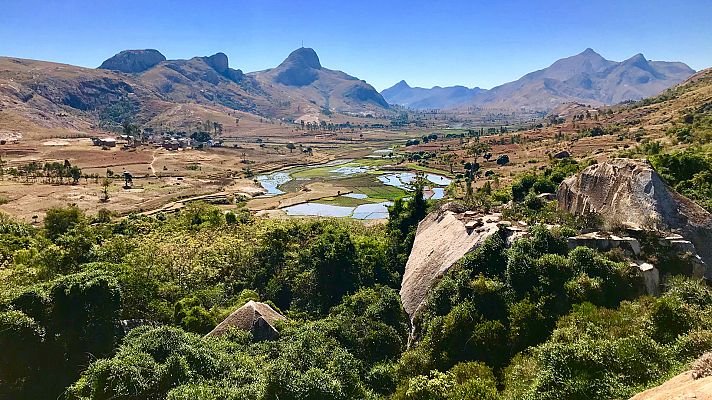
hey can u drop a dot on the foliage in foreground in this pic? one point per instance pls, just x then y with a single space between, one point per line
535 320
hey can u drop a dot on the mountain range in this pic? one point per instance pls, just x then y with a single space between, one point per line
586 78
144 86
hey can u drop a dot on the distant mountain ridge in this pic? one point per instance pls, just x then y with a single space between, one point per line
586 77
140 85
435 97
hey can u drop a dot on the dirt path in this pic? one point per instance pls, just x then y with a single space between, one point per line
153 160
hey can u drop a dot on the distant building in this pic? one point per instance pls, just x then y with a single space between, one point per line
171 144
104 142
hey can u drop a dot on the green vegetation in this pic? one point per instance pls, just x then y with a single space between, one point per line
604 353
65 287
533 320
689 172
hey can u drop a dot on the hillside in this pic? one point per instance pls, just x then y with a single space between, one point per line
301 77
586 77
693 96
139 85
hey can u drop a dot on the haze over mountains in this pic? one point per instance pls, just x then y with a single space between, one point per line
586 77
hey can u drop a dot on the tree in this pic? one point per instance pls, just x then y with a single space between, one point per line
105 189
128 179
291 146
217 128
131 130
23 342
60 220
201 136
75 173
448 158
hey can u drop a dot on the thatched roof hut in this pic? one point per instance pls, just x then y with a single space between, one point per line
258 318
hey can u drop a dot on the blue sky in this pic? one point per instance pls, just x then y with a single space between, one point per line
427 43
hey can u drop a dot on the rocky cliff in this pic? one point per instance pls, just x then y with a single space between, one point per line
629 193
133 61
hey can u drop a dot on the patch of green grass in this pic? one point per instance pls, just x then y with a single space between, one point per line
373 162
382 192
372 187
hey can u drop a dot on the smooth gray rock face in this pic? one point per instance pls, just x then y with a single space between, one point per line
630 194
441 240
133 61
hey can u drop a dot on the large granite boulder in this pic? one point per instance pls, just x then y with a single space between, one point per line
628 193
258 318
133 61
693 384
443 238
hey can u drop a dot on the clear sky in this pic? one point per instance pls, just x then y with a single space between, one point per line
427 43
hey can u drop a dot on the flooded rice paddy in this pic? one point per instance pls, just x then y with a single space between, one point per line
357 205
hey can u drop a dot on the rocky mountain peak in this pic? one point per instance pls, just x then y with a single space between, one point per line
639 61
401 85
133 61
303 57
300 68
218 61
590 52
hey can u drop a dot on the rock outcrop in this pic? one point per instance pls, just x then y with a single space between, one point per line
628 193
693 384
442 239
218 61
258 318
133 61
299 68
604 241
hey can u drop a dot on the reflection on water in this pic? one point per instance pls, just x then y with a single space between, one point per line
372 211
356 195
320 210
350 170
271 182
403 180
364 211
438 179
438 193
